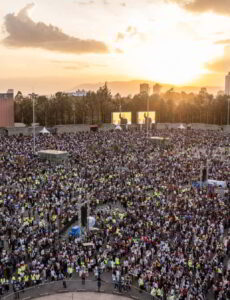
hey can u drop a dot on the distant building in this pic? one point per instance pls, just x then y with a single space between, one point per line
227 84
144 88
7 109
220 93
78 93
157 88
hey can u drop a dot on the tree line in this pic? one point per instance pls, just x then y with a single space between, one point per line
96 107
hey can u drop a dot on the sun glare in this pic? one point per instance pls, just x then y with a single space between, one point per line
174 50
173 61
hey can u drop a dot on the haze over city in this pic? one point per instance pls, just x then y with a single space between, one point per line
58 45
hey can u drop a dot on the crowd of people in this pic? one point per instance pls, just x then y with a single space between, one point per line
158 230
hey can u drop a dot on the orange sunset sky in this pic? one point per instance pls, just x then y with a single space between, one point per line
50 45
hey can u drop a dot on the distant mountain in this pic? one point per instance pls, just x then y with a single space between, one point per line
126 88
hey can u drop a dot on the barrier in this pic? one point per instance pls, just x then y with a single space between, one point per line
75 286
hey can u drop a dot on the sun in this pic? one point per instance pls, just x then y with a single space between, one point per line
175 62
174 50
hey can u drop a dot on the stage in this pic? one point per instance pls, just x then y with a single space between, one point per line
53 155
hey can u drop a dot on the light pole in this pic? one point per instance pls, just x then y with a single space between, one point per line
34 122
228 110
227 92
147 114
33 96
74 113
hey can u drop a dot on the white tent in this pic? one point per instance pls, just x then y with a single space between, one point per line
181 126
118 127
217 183
44 131
91 222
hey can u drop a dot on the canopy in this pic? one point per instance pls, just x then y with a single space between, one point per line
181 126
118 127
217 183
44 131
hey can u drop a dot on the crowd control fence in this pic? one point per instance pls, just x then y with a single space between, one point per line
70 289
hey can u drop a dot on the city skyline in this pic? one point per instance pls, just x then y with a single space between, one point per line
55 45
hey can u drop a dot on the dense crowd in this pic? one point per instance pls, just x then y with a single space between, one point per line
166 235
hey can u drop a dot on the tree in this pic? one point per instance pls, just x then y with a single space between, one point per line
97 107
157 88
19 96
27 111
41 110
103 99
91 102
118 102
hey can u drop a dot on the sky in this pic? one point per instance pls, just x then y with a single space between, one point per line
52 45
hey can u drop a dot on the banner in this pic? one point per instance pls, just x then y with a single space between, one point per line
143 116
121 118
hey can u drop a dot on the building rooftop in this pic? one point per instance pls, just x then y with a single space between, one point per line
8 95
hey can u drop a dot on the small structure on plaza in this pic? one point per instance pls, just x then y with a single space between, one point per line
159 140
53 155
181 126
118 127
44 131
94 128
75 231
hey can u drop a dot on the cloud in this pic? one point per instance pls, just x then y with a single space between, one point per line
131 32
222 42
120 36
71 65
24 32
74 68
85 3
119 51
219 32
217 6
76 65
221 65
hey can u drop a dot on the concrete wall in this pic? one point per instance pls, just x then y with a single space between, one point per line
23 130
226 128
169 125
85 128
81 128
3 132
72 128
198 126
106 126
205 126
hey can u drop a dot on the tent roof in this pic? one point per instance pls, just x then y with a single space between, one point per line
44 130
118 127
181 126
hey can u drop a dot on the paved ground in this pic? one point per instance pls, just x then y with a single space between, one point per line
76 290
83 296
